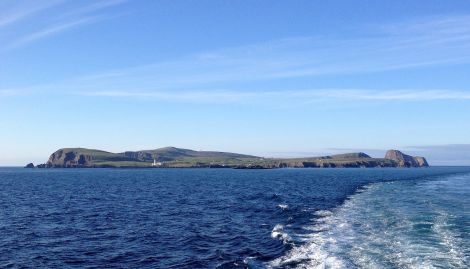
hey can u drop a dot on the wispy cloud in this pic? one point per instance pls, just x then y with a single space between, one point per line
422 43
186 96
207 76
92 8
388 95
14 11
242 96
61 16
8 93
292 96
52 30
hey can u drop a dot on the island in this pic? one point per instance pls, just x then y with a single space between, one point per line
172 157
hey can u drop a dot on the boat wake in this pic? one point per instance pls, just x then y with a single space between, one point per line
401 224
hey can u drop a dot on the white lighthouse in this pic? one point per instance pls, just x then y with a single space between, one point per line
155 163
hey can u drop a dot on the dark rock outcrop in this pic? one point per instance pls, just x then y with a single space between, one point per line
421 161
29 165
69 158
254 167
404 160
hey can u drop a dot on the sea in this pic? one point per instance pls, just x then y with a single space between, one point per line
229 218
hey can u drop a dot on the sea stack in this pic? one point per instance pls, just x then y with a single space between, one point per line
404 160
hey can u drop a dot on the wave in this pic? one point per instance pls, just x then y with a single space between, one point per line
278 232
401 224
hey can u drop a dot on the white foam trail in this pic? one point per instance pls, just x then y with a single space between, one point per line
388 225
451 240
323 213
312 254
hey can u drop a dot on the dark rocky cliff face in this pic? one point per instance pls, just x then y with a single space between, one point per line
404 160
422 162
63 158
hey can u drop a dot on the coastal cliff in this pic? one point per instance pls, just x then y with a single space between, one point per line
171 157
404 160
80 157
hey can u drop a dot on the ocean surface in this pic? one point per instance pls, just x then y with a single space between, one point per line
224 218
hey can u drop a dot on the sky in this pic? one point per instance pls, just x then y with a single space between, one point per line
271 78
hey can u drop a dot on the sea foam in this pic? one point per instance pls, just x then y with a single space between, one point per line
387 225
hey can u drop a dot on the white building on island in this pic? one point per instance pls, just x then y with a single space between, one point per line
155 163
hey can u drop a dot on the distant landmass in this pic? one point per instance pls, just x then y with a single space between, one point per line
171 157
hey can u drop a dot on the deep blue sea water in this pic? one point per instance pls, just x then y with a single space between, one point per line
224 218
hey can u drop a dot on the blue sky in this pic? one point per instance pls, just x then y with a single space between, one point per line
273 78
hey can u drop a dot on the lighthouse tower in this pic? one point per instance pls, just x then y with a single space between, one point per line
155 163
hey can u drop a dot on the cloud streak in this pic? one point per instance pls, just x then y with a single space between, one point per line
208 76
60 18
92 8
16 11
4 93
305 96
428 42
53 30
